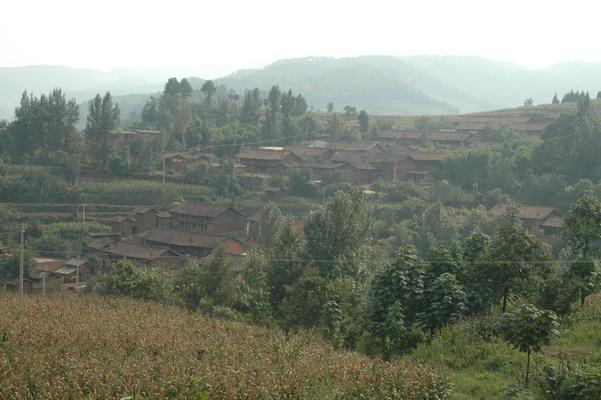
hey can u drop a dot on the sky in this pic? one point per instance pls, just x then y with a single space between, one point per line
220 36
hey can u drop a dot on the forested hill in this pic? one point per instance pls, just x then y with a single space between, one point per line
419 84
378 84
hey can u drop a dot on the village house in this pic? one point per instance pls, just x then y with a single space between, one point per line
145 219
123 225
274 193
208 218
163 220
544 222
358 169
357 149
44 269
416 167
444 138
182 161
310 155
140 254
268 160
194 243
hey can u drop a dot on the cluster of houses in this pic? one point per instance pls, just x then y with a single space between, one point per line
543 222
363 162
172 238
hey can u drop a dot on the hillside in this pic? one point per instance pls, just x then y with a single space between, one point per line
88 347
379 84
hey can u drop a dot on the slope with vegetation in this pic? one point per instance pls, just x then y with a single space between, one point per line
93 348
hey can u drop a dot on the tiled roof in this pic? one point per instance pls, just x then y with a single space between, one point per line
170 237
437 136
131 249
263 154
200 209
66 270
553 222
353 146
74 263
419 156
308 152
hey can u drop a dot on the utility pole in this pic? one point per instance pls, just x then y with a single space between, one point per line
164 156
21 267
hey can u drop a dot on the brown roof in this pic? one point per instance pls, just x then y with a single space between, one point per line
121 218
326 165
354 146
437 136
144 210
170 237
164 214
419 156
308 152
131 249
263 154
386 158
98 244
553 222
200 209
526 212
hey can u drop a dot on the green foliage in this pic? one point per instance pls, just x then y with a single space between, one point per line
208 286
516 257
363 122
396 295
300 183
446 302
103 118
284 263
337 234
582 224
9 268
44 125
140 283
570 146
528 329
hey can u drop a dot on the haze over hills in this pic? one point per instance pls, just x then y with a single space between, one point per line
378 84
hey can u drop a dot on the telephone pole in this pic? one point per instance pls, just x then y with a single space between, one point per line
21 267
164 156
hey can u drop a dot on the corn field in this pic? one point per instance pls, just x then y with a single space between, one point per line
86 347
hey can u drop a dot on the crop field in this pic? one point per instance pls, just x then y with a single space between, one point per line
87 347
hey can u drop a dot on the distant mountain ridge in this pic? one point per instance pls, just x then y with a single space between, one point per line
378 84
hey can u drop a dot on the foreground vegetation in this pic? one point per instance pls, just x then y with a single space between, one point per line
485 367
96 348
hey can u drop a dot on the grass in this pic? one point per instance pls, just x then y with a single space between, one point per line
488 369
74 347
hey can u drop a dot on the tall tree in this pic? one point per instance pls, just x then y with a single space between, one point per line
209 89
150 112
528 329
516 255
363 121
185 89
555 99
103 118
396 298
582 224
338 234
251 107
284 265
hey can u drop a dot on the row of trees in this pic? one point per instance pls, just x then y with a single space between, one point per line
338 282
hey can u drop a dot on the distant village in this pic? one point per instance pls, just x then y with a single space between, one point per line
189 232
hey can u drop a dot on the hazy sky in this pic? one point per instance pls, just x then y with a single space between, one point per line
221 36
